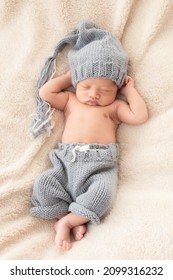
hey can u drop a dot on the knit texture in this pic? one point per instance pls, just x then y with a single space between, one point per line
97 54
94 53
82 181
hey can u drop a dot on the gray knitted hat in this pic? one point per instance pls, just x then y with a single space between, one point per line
94 53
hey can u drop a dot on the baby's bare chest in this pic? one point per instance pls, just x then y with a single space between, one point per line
90 114
89 124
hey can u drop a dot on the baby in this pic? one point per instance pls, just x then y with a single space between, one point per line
81 185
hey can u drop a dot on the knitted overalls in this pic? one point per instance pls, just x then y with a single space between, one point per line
83 181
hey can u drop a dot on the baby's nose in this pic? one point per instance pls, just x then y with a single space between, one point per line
94 94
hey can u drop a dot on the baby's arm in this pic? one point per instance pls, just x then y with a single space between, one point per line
52 91
135 110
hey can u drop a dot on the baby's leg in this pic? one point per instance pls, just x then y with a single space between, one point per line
50 198
98 199
63 228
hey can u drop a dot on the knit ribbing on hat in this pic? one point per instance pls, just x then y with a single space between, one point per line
102 56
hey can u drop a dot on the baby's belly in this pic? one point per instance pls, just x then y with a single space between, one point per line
89 133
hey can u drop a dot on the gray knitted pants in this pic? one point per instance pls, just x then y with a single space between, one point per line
83 181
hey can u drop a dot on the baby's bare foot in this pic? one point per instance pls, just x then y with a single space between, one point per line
62 238
79 232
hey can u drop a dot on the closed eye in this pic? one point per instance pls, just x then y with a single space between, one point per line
106 91
85 87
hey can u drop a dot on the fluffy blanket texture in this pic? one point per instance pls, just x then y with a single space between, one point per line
140 224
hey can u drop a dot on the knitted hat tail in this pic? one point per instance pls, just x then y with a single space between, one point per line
42 118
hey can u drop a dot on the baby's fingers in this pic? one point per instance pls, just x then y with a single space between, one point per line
129 80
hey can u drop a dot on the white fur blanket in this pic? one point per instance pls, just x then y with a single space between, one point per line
140 225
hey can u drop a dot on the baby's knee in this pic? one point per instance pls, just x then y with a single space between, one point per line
104 197
40 183
43 188
98 199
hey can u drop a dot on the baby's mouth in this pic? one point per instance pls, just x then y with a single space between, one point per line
92 102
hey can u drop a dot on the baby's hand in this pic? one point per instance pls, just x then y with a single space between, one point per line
68 79
128 85
68 73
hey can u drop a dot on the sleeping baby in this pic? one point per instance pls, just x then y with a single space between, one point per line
80 187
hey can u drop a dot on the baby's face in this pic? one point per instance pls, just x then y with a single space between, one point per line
96 91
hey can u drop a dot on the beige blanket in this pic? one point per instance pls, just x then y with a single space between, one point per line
140 225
